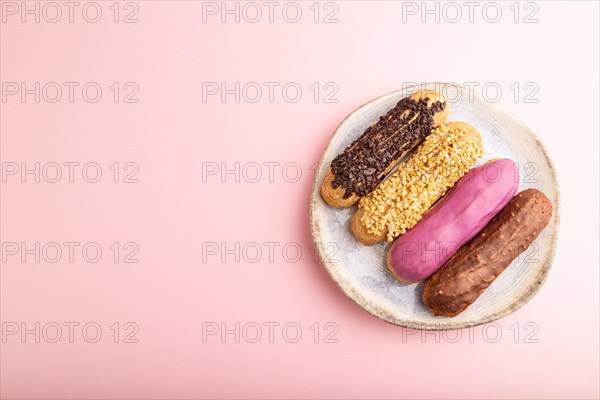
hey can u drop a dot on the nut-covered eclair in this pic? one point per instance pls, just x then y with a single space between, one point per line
476 265
367 160
475 199
402 199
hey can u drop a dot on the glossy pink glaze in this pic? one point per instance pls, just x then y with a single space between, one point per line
473 201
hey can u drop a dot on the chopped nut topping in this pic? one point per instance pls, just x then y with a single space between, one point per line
401 200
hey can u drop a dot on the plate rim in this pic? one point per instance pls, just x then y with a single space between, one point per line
368 305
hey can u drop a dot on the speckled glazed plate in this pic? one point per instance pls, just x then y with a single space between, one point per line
360 271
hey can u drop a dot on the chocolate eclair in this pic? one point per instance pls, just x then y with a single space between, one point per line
366 161
457 285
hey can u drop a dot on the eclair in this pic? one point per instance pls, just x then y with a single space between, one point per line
366 161
404 197
456 285
471 203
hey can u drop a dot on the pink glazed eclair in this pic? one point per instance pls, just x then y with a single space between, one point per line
473 201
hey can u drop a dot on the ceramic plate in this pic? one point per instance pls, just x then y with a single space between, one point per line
360 270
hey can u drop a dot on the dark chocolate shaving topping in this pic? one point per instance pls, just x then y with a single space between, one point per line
362 164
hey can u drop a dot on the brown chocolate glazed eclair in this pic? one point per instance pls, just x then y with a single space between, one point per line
366 161
456 285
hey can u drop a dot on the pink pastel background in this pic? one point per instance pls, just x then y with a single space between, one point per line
170 133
